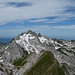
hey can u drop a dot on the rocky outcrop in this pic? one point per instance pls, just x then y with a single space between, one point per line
25 50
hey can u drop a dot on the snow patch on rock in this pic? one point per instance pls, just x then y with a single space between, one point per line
7 47
56 47
24 42
42 40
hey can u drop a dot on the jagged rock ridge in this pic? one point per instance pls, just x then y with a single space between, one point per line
26 49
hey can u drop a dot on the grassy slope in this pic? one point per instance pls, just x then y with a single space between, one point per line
20 62
47 65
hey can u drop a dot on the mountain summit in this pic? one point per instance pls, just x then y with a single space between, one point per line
32 42
34 54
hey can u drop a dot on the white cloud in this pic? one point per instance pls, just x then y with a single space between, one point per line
53 31
65 27
53 28
38 20
38 28
39 9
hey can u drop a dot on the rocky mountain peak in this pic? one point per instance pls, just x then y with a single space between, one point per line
33 42
26 49
31 32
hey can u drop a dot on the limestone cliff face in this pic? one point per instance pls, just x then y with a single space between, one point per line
27 50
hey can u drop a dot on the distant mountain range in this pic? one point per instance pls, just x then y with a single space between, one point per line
34 54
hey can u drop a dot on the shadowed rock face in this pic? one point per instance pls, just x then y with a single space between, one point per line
12 51
8 69
27 49
1 45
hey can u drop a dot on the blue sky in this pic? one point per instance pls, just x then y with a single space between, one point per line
54 18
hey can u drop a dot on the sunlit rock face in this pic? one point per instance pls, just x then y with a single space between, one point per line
28 47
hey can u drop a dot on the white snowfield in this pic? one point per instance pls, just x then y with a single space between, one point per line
42 40
56 47
1 60
24 42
